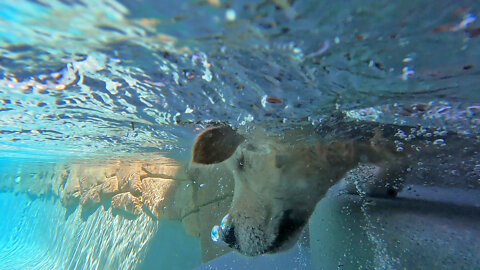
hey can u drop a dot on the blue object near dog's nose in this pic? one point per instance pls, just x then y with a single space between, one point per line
217 233
225 222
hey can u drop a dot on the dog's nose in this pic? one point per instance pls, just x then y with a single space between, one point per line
225 233
229 236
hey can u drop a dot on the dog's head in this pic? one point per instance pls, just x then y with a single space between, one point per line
274 193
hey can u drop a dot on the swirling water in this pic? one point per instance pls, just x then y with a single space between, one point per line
110 79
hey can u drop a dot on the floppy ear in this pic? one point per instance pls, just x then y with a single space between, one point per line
215 145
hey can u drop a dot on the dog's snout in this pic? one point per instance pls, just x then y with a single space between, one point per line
225 233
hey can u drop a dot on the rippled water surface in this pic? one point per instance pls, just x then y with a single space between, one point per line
108 79
111 77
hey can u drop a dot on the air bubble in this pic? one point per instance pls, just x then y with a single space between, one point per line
224 222
407 72
440 142
215 234
400 134
230 15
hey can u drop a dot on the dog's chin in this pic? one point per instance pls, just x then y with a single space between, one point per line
286 244
254 241
282 242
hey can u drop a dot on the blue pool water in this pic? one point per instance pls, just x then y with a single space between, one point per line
97 82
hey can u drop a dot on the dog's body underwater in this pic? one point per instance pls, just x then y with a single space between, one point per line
280 179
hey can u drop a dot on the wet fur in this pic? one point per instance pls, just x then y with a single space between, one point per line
280 179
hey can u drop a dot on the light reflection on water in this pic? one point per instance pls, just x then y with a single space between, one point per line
112 77
32 243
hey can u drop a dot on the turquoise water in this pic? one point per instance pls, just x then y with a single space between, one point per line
88 82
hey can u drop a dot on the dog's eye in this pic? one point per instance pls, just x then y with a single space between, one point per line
241 162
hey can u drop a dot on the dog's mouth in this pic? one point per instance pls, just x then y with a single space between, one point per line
289 228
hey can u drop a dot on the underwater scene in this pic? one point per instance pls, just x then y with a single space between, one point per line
239 134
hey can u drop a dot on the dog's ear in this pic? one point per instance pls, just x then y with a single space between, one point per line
215 145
